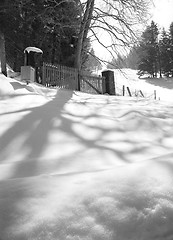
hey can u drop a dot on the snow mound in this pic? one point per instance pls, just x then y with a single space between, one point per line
77 166
5 86
14 86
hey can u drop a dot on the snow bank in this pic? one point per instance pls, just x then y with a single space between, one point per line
5 86
76 166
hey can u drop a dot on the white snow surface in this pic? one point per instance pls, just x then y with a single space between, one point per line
76 166
128 77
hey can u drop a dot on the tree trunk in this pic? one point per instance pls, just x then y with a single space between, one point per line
53 48
159 61
3 54
84 28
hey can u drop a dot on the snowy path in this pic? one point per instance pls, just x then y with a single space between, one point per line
75 166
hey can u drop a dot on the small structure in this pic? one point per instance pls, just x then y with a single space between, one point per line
31 71
109 82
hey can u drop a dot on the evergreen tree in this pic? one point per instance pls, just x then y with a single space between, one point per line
171 48
49 25
165 52
2 54
148 51
61 28
53 24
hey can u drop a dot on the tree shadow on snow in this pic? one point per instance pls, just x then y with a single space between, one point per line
86 152
33 129
90 140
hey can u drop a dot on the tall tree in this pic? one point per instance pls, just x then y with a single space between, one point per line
49 25
171 47
148 51
115 18
3 54
85 22
52 24
2 40
165 52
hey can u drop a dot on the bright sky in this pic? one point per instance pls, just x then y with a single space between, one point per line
163 12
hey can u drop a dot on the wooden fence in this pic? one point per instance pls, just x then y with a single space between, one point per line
92 84
66 77
59 76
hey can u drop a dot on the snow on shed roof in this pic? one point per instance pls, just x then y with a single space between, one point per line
33 49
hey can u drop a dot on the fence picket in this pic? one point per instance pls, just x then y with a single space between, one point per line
91 84
67 77
60 76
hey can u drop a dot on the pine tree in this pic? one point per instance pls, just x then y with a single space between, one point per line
49 25
3 54
2 39
148 51
171 48
165 52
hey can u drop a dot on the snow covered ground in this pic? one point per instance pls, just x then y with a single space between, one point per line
75 166
148 86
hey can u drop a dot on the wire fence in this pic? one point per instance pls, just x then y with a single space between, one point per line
138 93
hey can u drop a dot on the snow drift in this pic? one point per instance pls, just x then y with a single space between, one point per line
80 166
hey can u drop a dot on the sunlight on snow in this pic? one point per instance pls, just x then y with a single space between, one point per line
77 166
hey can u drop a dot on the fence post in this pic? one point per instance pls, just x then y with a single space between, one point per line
128 89
44 74
155 94
123 90
109 82
141 93
78 80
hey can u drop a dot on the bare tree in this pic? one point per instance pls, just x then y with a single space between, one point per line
117 19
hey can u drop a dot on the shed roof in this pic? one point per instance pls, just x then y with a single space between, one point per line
33 49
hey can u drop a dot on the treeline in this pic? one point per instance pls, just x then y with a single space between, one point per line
61 28
50 25
153 54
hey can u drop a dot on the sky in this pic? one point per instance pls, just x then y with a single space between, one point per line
163 12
